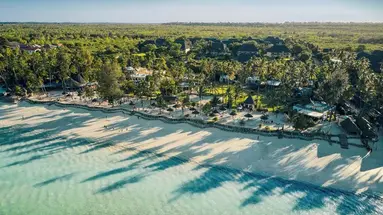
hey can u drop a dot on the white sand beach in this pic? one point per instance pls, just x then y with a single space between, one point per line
315 162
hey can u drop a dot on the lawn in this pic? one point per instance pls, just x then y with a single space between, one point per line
261 100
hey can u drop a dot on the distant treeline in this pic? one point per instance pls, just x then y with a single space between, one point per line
371 40
274 24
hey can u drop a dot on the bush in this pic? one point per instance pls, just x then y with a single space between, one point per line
19 91
301 122
267 128
215 119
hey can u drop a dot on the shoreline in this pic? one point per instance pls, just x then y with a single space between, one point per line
309 136
263 176
256 173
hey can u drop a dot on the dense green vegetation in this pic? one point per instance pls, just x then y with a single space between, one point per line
324 35
102 52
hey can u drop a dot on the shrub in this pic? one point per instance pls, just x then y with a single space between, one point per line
206 108
301 122
267 128
19 91
215 119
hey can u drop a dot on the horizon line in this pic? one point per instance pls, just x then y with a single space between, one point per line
162 23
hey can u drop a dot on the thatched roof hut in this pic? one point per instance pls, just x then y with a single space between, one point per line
249 101
350 126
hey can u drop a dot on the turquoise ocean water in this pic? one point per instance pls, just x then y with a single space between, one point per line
41 173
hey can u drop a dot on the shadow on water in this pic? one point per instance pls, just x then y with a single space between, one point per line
109 173
260 187
121 184
26 161
55 179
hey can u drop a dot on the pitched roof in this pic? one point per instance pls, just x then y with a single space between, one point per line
185 44
349 125
161 42
278 49
248 47
376 58
249 100
81 80
70 83
274 40
366 127
218 46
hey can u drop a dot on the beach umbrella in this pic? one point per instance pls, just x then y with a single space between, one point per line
170 109
222 108
195 112
192 109
248 116
215 111
265 117
233 113
94 100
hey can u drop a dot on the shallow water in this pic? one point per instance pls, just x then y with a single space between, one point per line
41 173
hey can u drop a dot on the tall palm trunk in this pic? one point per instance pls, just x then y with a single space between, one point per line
5 82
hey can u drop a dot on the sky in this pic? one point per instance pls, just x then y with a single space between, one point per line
162 11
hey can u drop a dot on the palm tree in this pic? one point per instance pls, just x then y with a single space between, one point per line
229 96
3 73
237 91
337 80
184 102
161 103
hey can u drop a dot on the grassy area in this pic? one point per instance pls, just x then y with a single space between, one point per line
217 90
261 100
